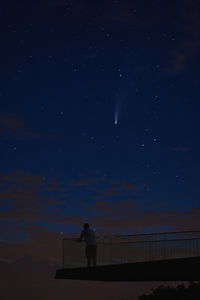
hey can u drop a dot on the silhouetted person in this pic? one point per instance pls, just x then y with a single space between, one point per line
91 246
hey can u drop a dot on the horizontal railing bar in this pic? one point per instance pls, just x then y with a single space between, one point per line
158 233
142 242
174 240
146 234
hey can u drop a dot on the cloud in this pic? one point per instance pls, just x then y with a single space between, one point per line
86 181
189 43
14 127
109 191
126 186
26 197
54 184
79 182
11 122
72 220
178 62
116 188
116 209
136 219
41 245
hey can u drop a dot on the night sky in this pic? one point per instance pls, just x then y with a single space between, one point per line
99 123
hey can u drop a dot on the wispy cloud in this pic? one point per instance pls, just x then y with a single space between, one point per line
188 22
116 209
27 198
135 219
14 127
41 245
86 181
117 188
11 124
114 205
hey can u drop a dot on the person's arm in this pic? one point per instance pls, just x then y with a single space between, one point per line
81 237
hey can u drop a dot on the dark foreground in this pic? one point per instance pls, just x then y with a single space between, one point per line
181 269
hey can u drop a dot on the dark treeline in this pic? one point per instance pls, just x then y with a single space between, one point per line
181 292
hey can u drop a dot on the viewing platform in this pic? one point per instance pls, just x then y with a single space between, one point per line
170 256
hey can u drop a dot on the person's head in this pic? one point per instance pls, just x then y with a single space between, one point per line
86 226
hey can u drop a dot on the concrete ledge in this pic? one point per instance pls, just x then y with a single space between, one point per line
182 269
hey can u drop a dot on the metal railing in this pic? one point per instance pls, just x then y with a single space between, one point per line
120 249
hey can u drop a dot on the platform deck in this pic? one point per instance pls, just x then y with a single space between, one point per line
181 269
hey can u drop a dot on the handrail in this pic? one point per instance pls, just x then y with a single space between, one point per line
156 241
118 249
143 234
150 241
158 233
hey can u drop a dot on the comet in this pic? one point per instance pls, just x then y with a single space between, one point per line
116 118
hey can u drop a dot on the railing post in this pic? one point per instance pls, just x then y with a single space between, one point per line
196 247
63 254
149 251
164 247
110 250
